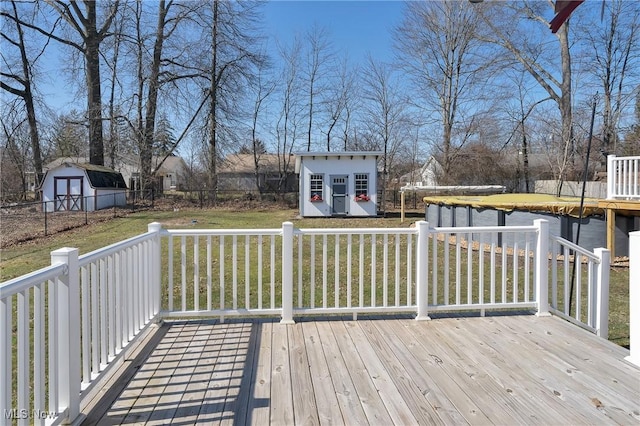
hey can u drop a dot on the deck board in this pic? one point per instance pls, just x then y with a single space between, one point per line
458 370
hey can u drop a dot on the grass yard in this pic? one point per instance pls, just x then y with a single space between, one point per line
24 258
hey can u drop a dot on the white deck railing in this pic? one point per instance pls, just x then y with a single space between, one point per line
74 318
580 285
98 303
623 178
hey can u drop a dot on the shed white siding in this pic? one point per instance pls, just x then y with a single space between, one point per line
72 182
329 171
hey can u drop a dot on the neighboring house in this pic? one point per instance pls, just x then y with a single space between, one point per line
170 175
237 172
426 175
338 183
82 187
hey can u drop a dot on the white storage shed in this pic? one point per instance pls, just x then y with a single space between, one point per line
79 187
338 183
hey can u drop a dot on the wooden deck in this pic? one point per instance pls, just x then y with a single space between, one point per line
460 370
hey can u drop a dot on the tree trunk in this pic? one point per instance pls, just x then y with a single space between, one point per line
94 104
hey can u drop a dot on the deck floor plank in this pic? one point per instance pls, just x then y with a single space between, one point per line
304 399
325 394
454 370
496 355
258 411
281 390
366 391
400 376
345 391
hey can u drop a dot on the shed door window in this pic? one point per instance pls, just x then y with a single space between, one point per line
316 186
361 184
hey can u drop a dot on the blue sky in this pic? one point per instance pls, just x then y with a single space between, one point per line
356 27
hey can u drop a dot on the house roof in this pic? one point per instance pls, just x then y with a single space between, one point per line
99 176
244 163
170 164
335 154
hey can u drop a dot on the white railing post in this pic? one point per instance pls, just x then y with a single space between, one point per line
542 267
422 271
156 263
68 316
611 174
602 292
634 298
287 273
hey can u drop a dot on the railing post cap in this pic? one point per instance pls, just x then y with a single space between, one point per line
154 227
64 251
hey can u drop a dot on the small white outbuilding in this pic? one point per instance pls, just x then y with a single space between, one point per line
82 187
338 183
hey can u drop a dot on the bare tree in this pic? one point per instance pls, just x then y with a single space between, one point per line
339 95
82 17
614 58
18 80
317 59
226 70
263 88
384 114
14 154
438 47
507 23
291 106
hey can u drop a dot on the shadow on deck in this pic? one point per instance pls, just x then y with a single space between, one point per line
391 370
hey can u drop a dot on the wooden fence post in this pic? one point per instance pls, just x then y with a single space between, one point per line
68 318
634 298
602 292
287 273
542 267
422 271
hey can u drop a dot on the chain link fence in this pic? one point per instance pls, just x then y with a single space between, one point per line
26 221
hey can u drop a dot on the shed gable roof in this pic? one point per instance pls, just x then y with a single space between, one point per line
99 176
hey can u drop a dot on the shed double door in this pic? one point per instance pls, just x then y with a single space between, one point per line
339 195
68 193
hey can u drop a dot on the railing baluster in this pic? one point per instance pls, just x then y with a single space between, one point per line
336 272
247 272
324 271
260 265
39 378
196 273
23 358
170 275
434 272
373 270
6 352
397 269
348 260
469 268
183 263
312 290
361 271
273 272
209 276
385 270
516 266
221 274
234 270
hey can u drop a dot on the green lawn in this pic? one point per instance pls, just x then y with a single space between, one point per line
21 259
